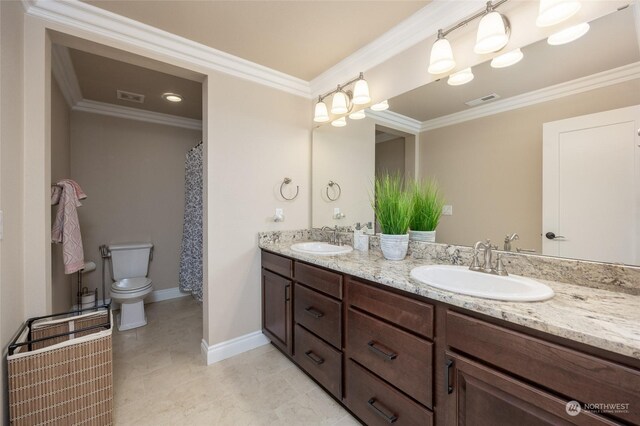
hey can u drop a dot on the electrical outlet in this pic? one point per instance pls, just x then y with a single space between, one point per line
447 210
279 212
336 210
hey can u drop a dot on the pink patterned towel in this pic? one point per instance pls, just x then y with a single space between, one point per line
66 227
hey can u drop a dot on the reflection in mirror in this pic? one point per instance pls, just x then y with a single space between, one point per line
514 153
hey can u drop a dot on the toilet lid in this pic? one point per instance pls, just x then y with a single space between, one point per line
128 285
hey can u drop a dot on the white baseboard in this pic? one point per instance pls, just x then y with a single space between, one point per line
154 296
165 294
224 350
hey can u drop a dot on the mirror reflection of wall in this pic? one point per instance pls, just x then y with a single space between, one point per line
487 155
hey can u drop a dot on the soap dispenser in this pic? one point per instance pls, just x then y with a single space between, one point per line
360 239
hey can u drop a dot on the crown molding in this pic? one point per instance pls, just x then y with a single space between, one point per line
88 18
580 85
65 74
395 121
416 28
136 114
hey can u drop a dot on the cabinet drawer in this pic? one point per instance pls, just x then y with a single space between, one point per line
278 264
320 360
377 403
400 358
322 280
403 311
568 372
319 314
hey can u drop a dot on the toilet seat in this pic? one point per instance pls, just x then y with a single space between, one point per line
130 285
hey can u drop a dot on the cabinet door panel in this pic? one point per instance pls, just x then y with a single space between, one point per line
276 310
484 397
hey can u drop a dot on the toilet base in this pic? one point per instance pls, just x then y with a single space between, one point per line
131 316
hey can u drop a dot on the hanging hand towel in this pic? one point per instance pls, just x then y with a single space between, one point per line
66 227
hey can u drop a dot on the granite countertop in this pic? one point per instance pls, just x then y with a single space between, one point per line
604 319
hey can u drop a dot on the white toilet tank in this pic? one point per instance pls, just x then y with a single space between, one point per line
130 260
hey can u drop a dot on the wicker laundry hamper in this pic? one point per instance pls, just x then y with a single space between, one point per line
60 370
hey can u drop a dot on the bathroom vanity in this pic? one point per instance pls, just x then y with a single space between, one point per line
394 351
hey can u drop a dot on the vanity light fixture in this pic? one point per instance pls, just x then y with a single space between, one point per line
441 58
172 97
358 115
343 100
552 12
461 77
340 122
568 34
507 59
493 32
321 114
340 102
381 106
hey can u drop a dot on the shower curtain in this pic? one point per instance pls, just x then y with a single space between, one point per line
191 251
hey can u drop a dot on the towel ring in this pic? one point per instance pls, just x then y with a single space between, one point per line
287 181
331 184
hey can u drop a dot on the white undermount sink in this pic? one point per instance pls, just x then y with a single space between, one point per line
459 279
320 248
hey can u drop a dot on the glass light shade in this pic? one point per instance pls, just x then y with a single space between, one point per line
380 106
461 77
361 92
507 59
321 114
552 12
492 34
568 35
340 103
358 115
340 122
441 59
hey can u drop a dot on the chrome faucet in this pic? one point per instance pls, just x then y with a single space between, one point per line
334 238
508 239
487 264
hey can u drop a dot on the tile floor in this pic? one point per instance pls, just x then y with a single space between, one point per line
161 379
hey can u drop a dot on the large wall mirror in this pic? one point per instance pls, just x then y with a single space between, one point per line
549 144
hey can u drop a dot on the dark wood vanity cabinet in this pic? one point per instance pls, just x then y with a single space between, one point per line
396 358
277 315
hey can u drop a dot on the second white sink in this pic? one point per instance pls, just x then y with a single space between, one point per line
321 248
459 279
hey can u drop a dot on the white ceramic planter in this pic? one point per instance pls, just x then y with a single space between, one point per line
424 236
394 247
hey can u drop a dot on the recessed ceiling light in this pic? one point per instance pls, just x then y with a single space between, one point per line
172 97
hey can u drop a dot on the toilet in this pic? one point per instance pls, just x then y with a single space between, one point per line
129 269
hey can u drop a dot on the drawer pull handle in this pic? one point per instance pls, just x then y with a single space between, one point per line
387 355
382 411
313 357
314 312
447 373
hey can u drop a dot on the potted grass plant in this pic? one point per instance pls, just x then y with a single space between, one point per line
426 209
392 207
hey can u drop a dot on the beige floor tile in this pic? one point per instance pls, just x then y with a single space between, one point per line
160 378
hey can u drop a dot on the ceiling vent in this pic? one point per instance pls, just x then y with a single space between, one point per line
483 100
130 96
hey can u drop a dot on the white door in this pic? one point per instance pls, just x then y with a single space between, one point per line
591 187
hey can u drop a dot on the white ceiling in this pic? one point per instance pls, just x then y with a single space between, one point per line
299 38
100 77
610 43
